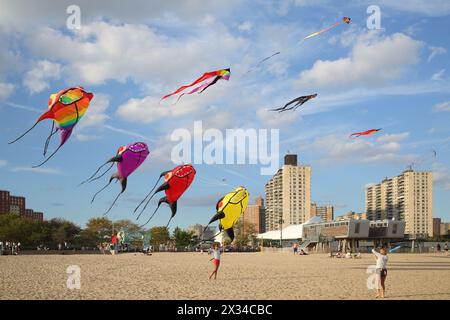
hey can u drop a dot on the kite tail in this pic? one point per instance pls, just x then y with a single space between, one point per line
93 198
92 176
47 142
23 134
146 204
49 157
151 217
167 225
112 205
147 196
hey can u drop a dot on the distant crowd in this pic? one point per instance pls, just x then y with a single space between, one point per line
9 248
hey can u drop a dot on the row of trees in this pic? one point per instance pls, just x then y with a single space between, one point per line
52 232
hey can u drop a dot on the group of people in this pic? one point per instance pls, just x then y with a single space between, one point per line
9 247
438 248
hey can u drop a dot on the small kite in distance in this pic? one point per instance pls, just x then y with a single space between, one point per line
345 20
364 133
261 62
298 102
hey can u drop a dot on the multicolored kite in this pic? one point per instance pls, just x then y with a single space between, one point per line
345 20
364 133
229 209
223 74
176 182
65 108
298 102
128 159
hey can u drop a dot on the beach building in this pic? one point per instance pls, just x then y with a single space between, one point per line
408 197
10 204
288 195
325 212
256 215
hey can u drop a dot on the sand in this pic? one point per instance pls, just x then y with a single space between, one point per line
265 275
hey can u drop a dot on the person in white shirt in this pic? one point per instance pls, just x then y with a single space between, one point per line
381 271
217 250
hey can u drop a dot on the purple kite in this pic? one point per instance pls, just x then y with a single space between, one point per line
128 159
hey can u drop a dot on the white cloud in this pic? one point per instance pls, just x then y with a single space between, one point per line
245 26
441 175
38 170
127 132
3 163
428 8
85 137
37 79
274 119
443 106
103 51
96 114
438 75
397 137
335 148
435 51
6 89
371 62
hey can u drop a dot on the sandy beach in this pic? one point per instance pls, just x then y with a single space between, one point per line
241 276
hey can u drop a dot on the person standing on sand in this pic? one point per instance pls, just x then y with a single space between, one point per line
295 248
381 271
216 251
446 248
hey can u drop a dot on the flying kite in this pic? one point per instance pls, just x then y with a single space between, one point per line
364 133
223 74
128 159
298 102
345 20
65 108
229 209
176 182
260 62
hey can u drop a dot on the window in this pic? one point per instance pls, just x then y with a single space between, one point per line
357 227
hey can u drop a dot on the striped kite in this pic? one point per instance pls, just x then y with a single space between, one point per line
364 133
223 74
65 108
345 20
128 159
176 182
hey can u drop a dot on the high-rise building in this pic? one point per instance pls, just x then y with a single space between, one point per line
352 216
436 227
325 212
255 214
288 195
445 229
16 205
408 196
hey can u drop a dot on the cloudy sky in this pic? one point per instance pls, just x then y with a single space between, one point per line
131 54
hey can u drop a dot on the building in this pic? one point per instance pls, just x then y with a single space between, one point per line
407 197
436 227
255 214
10 204
445 229
352 215
325 212
199 231
288 195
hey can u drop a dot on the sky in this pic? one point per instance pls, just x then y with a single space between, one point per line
130 54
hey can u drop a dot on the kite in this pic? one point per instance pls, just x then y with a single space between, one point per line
223 74
418 161
364 133
128 159
345 20
298 102
65 108
176 182
260 62
229 209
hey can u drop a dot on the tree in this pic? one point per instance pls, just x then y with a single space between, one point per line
244 233
159 235
99 229
182 238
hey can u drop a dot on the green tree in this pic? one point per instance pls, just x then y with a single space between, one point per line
98 229
244 233
159 235
182 238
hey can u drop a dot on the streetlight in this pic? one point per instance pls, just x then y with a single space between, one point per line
281 221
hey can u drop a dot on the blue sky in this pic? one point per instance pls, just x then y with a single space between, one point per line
130 55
